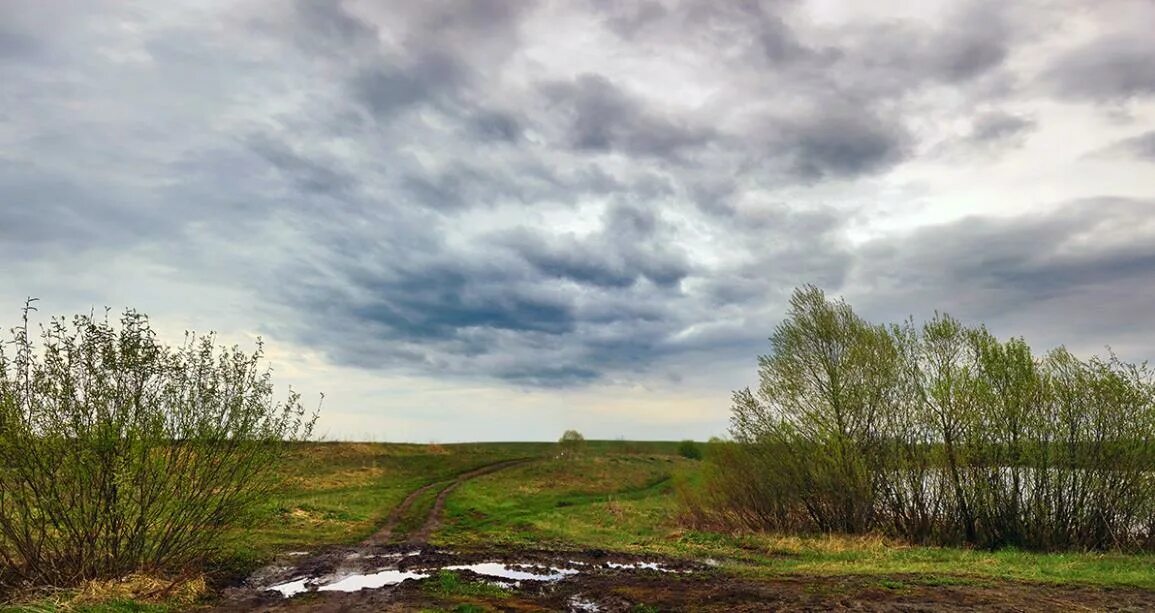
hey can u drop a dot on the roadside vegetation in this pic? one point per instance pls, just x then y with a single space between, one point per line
936 434
620 496
121 455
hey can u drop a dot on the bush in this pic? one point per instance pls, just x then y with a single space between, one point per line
119 454
571 442
940 433
690 450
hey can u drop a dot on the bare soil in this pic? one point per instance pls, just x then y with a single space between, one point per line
692 588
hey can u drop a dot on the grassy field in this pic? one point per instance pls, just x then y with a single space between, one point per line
614 496
566 503
338 493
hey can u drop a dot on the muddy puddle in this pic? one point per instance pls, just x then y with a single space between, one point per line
384 570
357 571
400 578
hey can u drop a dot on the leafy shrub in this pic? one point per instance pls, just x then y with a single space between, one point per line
119 454
690 450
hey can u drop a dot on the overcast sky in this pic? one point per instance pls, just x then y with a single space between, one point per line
496 220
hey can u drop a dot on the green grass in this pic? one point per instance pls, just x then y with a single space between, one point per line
556 501
447 583
615 496
627 503
456 594
618 496
340 493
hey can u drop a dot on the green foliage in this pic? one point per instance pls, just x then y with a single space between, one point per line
939 433
571 442
690 450
121 454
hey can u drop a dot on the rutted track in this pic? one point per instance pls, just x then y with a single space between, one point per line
383 543
568 580
433 520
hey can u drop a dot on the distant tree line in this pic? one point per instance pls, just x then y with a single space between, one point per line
936 433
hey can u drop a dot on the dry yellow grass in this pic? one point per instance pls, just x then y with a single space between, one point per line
354 477
139 588
828 543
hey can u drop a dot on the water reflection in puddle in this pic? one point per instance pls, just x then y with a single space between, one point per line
356 583
508 575
503 571
578 603
638 566
350 583
292 588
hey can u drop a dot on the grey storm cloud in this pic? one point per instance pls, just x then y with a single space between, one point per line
1116 66
1079 273
841 143
452 190
622 254
601 117
999 127
387 90
1141 146
307 174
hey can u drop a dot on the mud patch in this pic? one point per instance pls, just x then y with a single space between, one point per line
351 571
398 580
391 571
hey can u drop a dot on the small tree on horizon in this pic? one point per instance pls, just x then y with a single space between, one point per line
571 442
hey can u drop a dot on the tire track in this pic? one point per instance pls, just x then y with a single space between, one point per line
433 520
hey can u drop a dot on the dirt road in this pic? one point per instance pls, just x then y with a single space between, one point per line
601 581
395 570
386 534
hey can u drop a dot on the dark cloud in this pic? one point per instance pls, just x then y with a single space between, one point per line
972 42
841 143
626 18
326 26
308 175
527 307
446 189
1050 276
550 376
625 252
884 60
1141 146
997 127
386 90
40 213
1112 67
599 116
15 45
496 125
442 303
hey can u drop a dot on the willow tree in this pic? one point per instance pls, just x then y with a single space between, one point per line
819 408
937 433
